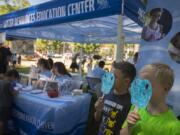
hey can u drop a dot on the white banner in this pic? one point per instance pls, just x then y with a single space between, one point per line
161 41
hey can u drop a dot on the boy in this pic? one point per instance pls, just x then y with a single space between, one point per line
6 95
113 109
157 118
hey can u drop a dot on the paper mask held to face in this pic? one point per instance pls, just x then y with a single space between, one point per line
108 81
141 92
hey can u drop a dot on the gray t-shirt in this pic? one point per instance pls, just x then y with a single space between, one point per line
5 94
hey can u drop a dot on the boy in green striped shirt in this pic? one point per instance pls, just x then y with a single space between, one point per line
157 118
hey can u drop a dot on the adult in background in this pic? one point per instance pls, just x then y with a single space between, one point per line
135 58
89 65
74 64
98 72
19 59
50 62
5 56
14 59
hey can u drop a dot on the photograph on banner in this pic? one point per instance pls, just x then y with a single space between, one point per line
158 23
174 48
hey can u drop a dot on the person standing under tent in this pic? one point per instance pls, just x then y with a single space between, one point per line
14 59
83 63
74 64
135 58
89 65
50 62
19 59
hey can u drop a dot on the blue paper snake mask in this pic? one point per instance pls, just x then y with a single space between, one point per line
141 92
108 81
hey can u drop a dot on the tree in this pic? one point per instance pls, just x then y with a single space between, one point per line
43 45
87 48
91 48
12 5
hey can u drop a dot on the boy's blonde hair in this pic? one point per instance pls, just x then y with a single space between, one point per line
163 73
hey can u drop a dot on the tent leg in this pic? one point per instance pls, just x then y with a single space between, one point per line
64 52
120 41
119 52
80 64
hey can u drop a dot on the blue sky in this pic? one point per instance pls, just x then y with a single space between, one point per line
35 2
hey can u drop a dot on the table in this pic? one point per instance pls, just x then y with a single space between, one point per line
40 115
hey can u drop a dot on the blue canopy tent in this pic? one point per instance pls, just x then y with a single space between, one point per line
74 20
84 21
100 30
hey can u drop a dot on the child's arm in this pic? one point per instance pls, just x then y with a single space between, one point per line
99 107
132 119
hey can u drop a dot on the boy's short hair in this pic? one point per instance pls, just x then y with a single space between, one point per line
163 73
101 64
128 70
12 73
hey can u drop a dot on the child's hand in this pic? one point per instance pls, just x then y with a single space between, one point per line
99 104
132 118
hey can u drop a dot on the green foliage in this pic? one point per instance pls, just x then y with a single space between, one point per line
12 5
23 69
50 45
87 48
107 50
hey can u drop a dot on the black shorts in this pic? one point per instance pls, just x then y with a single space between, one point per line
3 69
74 66
14 62
5 114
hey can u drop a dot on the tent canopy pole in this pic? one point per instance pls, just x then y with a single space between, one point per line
120 37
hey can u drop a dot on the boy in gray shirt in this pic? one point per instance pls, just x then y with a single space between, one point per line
6 97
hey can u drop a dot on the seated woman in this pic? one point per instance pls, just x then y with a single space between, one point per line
60 71
43 66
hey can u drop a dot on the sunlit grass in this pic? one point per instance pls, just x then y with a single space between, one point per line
23 69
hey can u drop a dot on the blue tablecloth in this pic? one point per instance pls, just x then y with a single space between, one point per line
40 115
